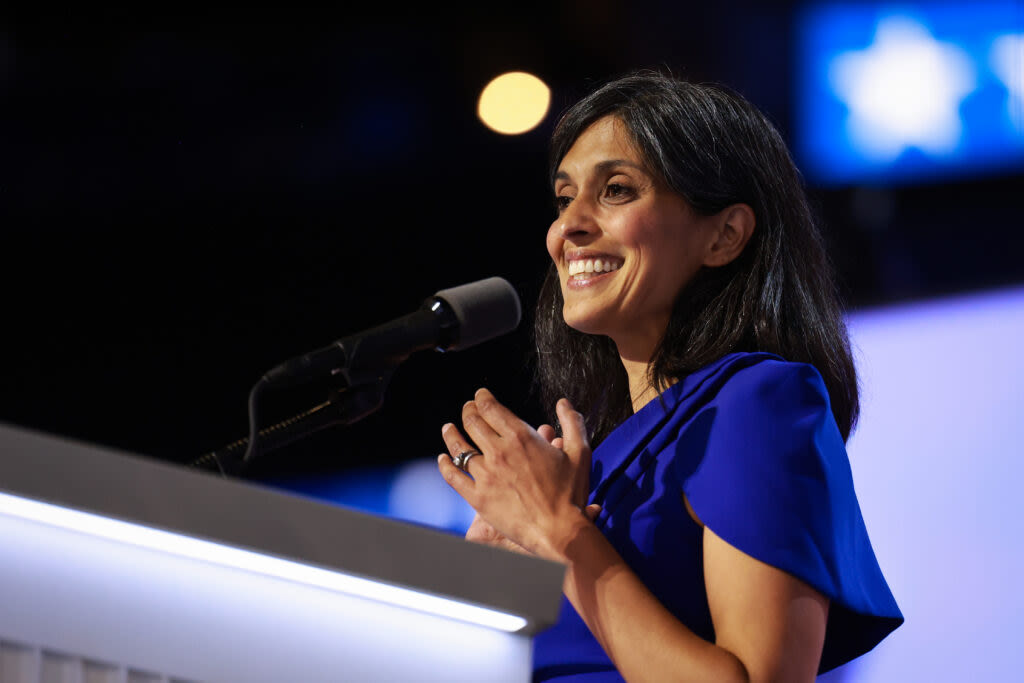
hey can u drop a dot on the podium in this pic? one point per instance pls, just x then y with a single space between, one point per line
119 567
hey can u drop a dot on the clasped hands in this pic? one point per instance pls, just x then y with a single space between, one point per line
529 489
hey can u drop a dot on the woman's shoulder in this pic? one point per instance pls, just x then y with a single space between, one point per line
752 380
771 377
757 364
764 465
741 393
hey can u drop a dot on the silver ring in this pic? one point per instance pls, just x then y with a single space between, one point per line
462 459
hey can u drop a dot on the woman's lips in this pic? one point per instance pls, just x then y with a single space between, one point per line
586 269
584 280
593 264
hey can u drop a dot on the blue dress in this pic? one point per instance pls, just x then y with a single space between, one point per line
751 442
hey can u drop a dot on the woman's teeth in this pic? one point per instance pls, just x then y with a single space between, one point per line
587 266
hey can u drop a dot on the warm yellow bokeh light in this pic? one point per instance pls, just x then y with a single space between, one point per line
514 102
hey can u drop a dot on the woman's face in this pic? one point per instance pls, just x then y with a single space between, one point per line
624 244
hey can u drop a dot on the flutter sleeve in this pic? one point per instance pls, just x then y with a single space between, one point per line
775 482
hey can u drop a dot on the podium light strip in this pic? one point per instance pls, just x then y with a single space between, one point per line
247 560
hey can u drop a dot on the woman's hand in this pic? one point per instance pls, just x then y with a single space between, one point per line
480 531
528 487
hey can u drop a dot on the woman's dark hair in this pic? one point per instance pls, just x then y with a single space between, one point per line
714 148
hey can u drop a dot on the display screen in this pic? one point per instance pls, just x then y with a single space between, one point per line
909 93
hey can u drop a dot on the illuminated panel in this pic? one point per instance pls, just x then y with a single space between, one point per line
184 546
909 92
147 609
937 462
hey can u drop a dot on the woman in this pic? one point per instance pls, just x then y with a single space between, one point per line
689 328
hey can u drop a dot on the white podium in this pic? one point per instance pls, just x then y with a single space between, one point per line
118 567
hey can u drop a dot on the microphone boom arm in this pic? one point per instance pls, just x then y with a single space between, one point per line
362 358
451 319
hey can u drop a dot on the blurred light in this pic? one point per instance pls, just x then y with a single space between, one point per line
909 92
207 551
420 494
903 91
1008 66
513 103
413 491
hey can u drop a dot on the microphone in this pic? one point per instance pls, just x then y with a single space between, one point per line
451 320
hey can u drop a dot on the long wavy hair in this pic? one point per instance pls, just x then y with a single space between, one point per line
715 149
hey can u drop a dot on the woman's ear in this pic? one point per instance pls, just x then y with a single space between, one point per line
733 227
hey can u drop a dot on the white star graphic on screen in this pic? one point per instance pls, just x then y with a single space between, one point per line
1007 58
904 90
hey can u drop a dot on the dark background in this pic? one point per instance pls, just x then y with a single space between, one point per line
188 201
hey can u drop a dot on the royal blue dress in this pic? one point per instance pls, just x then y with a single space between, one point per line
751 442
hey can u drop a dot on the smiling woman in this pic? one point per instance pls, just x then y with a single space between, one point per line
613 210
688 328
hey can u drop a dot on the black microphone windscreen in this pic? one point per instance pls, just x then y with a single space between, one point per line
485 309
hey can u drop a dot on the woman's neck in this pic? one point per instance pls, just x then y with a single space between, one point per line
636 350
641 390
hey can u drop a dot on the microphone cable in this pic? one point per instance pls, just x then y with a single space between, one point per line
343 406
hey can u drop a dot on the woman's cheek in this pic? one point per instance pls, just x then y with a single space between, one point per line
554 244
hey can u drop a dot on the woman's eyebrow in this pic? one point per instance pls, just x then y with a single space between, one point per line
603 166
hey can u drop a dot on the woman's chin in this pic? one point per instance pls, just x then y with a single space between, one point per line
586 322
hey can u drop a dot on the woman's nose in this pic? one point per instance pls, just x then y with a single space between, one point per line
577 223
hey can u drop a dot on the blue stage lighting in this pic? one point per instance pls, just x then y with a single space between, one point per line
909 93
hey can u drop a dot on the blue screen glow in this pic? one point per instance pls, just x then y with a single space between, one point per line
906 93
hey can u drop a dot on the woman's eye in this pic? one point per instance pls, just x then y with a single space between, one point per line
562 203
616 190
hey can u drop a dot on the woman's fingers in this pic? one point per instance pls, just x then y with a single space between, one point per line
457 444
575 445
525 480
497 429
457 479
478 427
574 430
502 420
454 440
482 532
547 432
